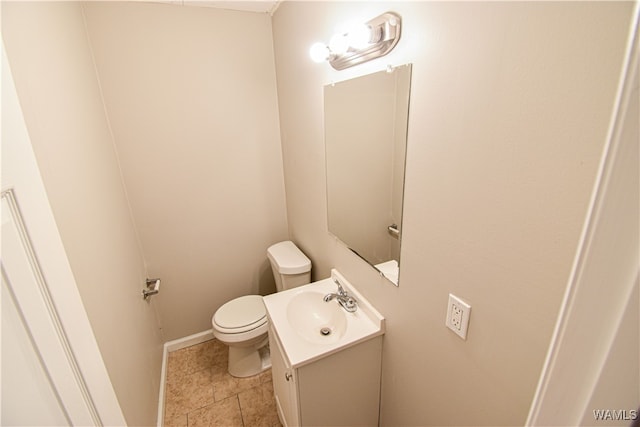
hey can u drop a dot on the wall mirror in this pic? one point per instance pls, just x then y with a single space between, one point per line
365 141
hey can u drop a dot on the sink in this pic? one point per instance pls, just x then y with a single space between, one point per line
308 328
315 320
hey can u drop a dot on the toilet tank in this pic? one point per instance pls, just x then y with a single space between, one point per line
290 266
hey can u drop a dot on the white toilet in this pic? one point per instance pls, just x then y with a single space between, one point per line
242 322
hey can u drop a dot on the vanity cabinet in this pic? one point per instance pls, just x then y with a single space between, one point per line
340 388
326 361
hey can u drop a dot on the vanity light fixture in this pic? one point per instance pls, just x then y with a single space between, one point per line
363 43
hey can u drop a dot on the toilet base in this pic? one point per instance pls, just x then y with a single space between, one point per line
248 361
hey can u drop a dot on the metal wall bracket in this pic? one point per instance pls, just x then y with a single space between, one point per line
152 288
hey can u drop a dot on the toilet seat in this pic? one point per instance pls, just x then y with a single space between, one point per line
241 315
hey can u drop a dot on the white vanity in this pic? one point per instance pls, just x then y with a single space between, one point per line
326 360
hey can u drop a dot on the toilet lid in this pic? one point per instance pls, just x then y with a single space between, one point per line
241 313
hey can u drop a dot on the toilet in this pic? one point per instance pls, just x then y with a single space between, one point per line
242 322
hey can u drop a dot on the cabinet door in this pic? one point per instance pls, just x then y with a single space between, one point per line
284 383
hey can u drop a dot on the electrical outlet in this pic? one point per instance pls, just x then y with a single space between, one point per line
458 313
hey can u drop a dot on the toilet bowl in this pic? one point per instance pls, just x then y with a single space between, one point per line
242 323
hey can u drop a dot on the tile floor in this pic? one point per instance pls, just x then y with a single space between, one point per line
200 392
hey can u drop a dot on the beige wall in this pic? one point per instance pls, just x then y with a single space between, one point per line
191 97
599 320
55 78
509 112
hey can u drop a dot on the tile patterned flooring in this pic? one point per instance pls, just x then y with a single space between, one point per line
200 392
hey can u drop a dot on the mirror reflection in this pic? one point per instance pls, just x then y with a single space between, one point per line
366 135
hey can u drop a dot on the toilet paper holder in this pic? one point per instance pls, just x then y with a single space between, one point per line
152 288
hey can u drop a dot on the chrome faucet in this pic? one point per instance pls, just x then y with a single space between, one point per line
347 302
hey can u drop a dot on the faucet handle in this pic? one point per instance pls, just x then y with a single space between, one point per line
340 288
351 304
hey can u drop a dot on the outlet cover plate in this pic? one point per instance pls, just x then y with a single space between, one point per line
458 313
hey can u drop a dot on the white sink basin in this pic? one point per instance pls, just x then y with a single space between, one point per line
314 319
310 328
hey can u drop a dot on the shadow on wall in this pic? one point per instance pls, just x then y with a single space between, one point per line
266 281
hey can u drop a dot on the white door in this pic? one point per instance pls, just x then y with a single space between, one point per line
51 372
33 402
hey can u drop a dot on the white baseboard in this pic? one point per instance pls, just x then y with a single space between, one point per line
169 347
189 341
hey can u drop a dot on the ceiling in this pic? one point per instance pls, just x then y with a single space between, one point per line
260 6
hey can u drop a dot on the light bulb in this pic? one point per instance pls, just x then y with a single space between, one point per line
319 52
339 44
360 36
